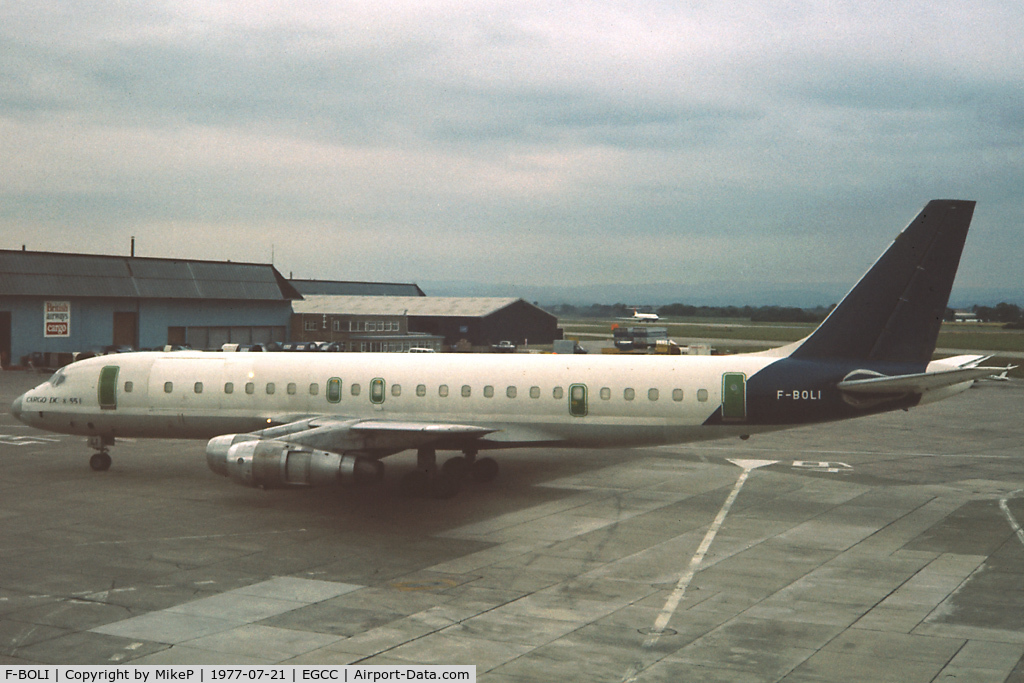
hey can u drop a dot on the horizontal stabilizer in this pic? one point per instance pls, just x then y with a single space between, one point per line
917 383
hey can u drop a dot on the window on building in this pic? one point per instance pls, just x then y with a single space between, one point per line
336 325
309 325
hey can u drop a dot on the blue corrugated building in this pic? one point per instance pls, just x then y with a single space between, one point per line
56 304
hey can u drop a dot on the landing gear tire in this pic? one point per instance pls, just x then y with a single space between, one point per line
485 469
100 462
456 468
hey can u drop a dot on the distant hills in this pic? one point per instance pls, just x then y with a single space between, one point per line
723 293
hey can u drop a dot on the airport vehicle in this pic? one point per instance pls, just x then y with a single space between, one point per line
567 346
299 419
638 338
504 346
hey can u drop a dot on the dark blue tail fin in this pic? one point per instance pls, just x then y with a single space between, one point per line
894 312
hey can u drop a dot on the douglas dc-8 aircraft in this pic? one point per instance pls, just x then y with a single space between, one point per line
299 419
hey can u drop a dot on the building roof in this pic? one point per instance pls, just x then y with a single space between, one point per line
434 306
35 273
347 288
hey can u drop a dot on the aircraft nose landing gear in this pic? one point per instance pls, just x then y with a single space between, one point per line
100 461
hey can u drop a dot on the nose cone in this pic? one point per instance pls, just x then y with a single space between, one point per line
16 407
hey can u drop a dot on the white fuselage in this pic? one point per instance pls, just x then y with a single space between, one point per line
527 399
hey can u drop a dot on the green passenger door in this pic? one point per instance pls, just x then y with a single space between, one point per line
107 391
734 396
578 400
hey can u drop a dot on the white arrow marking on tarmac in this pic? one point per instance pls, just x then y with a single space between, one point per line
1004 506
680 590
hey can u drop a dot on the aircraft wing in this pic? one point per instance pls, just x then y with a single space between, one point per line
917 383
372 436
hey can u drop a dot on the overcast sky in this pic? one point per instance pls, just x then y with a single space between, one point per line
515 142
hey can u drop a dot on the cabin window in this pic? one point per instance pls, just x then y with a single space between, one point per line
198 387
421 389
333 390
606 393
677 394
128 386
442 391
629 394
534 392
652 394
702 395
510 392
250 388
557 393
314 389
488 391
396 389
377 391
466 391
168 387
229 388
271 388
292 388
355 389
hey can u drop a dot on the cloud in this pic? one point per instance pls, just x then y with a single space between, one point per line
584 141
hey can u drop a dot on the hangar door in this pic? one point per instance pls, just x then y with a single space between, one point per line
126 329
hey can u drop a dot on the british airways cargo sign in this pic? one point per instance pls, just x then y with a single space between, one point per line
56 318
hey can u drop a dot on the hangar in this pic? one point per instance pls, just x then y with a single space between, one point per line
55 304
459 321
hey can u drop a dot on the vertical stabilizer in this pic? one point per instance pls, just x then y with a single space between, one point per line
894 312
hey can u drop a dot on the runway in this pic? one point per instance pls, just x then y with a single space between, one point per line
884 549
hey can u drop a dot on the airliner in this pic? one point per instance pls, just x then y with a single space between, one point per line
644 317
315 419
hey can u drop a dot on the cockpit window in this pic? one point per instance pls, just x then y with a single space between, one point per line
57 379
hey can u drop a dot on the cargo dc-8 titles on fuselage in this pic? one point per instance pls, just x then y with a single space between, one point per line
299 419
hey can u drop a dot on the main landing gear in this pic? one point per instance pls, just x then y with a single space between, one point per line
427 481
100 461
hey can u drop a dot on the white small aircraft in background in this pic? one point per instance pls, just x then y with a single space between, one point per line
644 317
310 419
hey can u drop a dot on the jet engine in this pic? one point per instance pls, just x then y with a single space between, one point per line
277 464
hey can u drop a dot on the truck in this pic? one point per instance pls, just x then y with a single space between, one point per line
567 346
638 338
